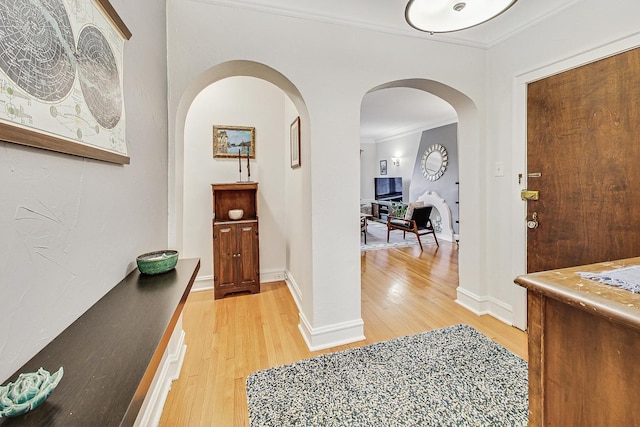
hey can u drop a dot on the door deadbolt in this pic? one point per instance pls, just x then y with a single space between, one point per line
532 224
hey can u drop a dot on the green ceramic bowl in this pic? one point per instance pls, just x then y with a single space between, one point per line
157 262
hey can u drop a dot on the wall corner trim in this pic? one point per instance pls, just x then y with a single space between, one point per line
331 335
481 305
475 303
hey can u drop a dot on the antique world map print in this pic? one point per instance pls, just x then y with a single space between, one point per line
61 71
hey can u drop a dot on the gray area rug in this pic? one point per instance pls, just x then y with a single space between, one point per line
453 376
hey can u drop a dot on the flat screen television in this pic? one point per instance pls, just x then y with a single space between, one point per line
388 188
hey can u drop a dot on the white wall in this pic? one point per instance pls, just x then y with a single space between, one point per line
405 148
446 186
298 200
236 101
368 168
332 67
554 45
72 227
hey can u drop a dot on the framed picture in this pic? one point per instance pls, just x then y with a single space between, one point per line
234 141
61 76
294 139
383 167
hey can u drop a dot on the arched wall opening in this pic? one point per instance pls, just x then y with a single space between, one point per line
296 201
472 289
298 235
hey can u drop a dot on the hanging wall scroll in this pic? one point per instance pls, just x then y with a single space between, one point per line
61 77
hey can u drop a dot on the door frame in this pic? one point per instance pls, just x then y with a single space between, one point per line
519 153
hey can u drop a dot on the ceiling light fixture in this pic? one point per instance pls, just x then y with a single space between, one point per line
444 16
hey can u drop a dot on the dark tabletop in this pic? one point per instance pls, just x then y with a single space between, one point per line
111 353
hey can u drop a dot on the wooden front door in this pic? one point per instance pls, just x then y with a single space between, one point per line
583 156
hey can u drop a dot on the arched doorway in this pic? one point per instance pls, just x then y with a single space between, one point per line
397 127
472 289
293 198
176 145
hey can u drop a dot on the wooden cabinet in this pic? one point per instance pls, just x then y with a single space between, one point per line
236 255
584 342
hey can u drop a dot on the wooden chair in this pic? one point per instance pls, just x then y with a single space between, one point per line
420 224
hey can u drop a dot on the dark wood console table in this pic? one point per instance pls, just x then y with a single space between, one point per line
584 344
111 353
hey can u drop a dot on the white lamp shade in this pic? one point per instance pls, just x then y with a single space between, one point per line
443 16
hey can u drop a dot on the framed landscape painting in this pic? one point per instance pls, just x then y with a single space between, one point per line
234 141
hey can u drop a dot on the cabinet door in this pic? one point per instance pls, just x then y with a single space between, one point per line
224 251
249 267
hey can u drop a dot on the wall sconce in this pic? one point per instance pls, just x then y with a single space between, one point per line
395 161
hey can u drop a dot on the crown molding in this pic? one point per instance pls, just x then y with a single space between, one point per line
346 22
449 38
416 128
531 23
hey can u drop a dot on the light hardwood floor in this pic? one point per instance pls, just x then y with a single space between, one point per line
404 291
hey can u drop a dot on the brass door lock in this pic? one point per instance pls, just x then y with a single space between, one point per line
529 194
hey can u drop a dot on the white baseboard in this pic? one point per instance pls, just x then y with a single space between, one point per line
501 311
205 283
331 335
446 236
267 276
472 302
168 371
325 336
202 283
484 305
295 291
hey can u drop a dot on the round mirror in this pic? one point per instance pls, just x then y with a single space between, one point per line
434 162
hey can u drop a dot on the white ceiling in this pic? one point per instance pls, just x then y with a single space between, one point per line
396 111
390 112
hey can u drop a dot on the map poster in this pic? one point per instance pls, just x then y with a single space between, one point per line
61 75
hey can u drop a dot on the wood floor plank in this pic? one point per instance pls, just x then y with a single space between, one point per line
404 291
